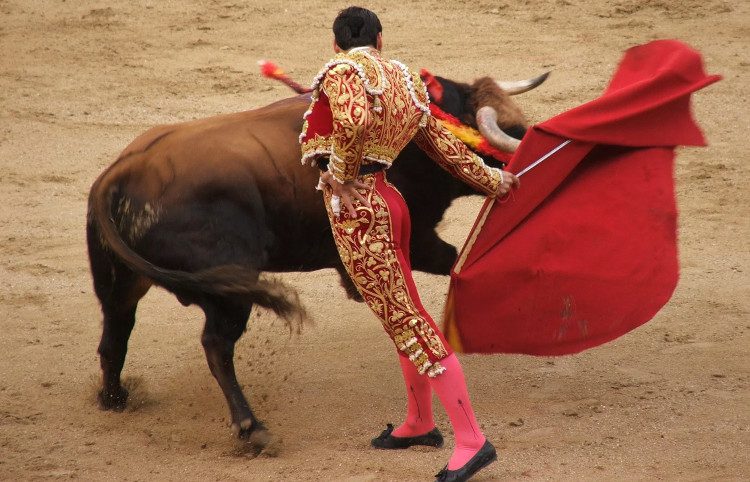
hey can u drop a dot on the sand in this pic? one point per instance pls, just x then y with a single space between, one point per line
80 79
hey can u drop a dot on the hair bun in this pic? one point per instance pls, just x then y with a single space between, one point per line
355 26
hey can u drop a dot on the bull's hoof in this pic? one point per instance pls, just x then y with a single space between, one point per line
116 400
254 435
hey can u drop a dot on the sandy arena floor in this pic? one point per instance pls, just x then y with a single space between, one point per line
80 79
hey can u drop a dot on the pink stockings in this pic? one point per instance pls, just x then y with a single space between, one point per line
374 250
450 388
419 419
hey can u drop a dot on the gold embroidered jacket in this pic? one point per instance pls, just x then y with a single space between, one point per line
366 109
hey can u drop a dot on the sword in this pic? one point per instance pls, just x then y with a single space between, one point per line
541 159
488 207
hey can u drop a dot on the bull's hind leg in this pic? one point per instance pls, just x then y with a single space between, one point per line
225 322
119 290
119 318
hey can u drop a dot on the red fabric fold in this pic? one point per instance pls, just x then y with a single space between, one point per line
647 102
586 249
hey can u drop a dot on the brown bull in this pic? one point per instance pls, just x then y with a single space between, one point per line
201 208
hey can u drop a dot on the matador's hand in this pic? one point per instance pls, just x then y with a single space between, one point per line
345 192
508 180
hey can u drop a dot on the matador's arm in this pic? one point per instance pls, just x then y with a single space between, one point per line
453 156
349 107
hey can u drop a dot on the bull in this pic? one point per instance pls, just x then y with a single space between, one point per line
201 208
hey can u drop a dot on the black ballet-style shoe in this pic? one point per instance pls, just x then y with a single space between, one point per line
486 455
385 440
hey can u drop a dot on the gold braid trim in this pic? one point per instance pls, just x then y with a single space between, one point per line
453 156
367 252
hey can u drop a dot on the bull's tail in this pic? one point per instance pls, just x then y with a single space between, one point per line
231 281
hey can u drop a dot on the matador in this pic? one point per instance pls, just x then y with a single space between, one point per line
365 109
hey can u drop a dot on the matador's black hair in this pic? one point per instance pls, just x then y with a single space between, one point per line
356 27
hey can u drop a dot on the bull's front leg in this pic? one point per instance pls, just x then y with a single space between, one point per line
225 323
346 282
431 254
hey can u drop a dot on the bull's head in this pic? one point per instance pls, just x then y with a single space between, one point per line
485 105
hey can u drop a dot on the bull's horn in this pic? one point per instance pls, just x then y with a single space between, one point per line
521 86
487 123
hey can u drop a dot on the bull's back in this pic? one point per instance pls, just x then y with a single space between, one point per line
250 162
285 114
252 147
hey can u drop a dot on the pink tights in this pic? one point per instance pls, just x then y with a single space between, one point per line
450 388
419 418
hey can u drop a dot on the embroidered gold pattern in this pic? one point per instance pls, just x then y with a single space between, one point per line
369 256
349 106
355 83
456 158
377 107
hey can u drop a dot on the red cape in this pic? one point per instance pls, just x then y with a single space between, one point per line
586 249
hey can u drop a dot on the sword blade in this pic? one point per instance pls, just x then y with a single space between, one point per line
541 159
